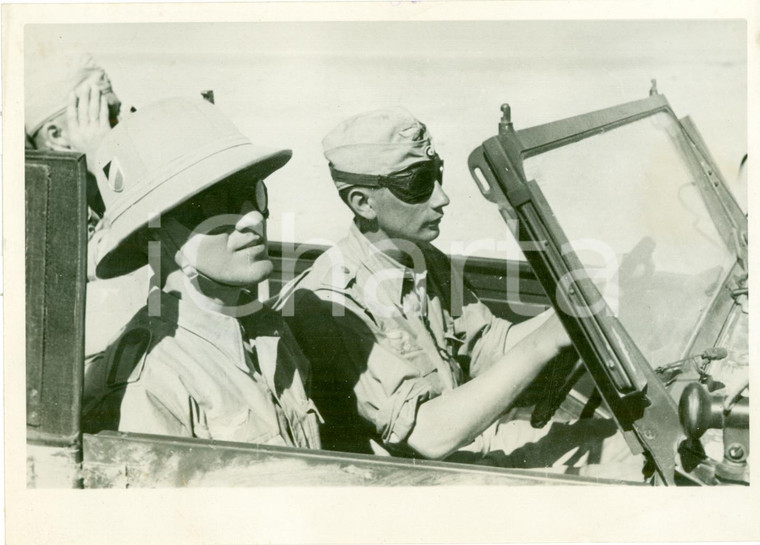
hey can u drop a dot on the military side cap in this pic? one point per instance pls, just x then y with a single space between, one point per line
51 71
378 143
158 158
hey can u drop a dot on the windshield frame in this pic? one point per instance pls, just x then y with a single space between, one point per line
724 210
722 207
634 394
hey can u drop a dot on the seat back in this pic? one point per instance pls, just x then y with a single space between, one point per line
56 256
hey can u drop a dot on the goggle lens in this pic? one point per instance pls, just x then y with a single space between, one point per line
416 185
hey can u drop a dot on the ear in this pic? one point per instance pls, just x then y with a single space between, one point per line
52 136
361 202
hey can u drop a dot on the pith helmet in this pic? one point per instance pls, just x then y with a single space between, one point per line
157 159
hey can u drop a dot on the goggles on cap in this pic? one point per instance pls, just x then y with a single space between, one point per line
223 198
412 185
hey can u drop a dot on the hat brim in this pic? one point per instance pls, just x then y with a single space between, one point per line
119 253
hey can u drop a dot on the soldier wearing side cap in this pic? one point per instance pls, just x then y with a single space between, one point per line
406 359
69 105
185 193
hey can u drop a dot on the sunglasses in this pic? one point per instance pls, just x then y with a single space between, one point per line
415 184
225 197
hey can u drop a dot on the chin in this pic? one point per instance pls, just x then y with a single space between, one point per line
258 272
249 274
428 235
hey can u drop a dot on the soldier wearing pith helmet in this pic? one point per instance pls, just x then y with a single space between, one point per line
185 193
406 359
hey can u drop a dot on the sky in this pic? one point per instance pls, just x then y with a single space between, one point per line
288 84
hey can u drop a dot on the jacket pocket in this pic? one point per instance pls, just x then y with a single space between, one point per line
242 426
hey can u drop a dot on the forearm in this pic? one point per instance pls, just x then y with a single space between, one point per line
519 331
499 338
455 418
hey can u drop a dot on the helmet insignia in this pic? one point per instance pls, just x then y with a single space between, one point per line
114 175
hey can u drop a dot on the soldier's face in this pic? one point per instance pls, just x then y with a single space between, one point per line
418 222
229 246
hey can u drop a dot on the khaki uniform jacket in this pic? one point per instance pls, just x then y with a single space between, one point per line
382 338
187 373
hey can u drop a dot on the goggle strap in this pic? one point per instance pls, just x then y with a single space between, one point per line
367 180
371 180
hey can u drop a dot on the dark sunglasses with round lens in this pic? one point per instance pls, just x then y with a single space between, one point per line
227 197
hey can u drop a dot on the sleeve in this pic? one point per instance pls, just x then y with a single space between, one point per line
390 390
488 338
115 395
484 336
351 359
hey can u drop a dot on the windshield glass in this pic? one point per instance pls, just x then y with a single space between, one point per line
628 201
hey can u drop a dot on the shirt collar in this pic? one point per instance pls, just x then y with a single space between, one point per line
224 332
389 273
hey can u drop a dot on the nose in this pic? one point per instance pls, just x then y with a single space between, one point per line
439 199
251 219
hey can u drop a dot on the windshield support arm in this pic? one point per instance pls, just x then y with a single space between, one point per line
637 399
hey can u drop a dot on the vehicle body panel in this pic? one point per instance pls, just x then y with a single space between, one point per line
122 460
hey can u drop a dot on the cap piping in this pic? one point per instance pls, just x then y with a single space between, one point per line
415 144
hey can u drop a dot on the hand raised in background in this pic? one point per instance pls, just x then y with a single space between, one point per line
87 117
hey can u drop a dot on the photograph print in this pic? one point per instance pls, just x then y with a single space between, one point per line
386 253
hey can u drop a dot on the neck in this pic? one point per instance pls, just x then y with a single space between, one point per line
205 292
400 250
